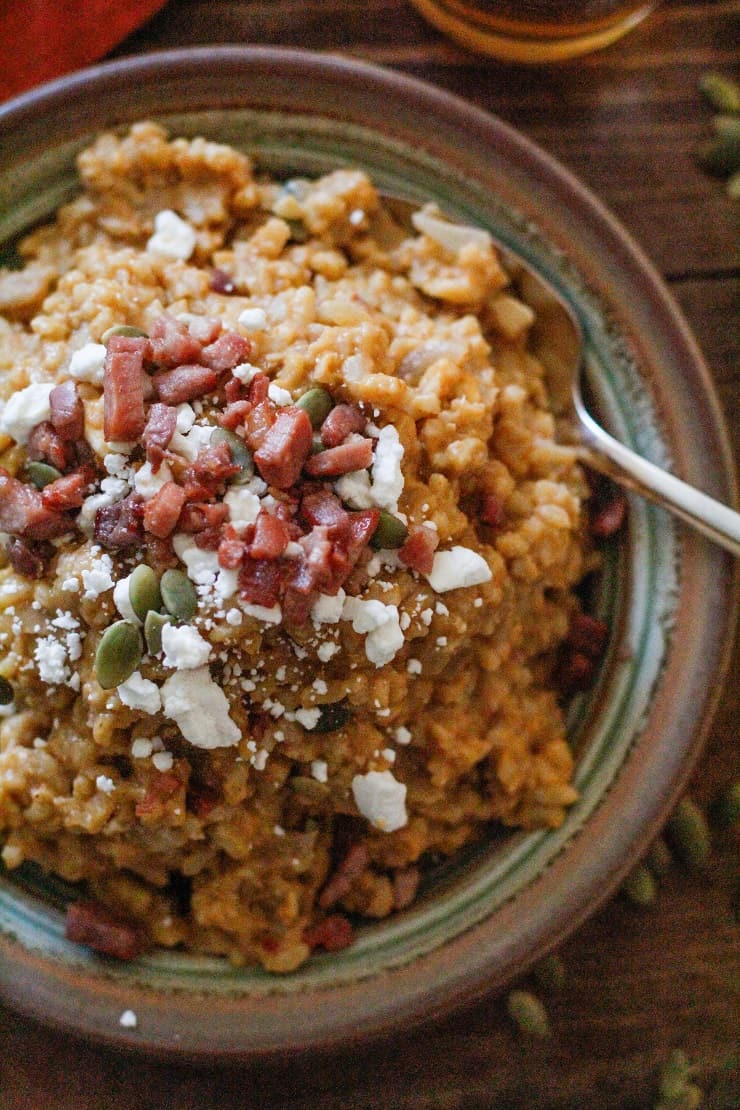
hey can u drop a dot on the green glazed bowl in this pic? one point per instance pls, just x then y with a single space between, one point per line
667 594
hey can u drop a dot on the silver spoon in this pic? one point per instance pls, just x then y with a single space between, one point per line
558 342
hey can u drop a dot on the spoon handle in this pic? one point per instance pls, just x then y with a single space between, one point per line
604 453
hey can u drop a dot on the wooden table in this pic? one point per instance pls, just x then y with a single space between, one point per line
639 981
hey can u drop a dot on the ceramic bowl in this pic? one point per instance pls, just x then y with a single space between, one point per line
667 594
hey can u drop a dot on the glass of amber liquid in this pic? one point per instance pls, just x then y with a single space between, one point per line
535 30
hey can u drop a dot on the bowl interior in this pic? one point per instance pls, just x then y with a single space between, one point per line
508 898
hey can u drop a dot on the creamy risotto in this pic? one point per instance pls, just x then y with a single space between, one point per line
290 550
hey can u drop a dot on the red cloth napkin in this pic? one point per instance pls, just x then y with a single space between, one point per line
46 38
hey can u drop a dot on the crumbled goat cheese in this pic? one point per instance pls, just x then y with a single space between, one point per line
381 798
96 501
189 444
253 319
184 418
184 647
51 658
105 784
24 410
86 364
354 489
309 718
199 708
226 584
403 736
262 613
380 622
327 651
414 666
128 1019
139 693
98 579
457 568
122 600
328 608
246 372
173 237
141 748
163 761
389 755
320 769
244 507
147 483
234 617
202 566
278 395
386 469
259 759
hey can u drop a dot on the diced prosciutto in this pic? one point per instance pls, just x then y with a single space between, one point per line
332 934
46 445
185 383
260 581
418 550
270 537
356 455
160 428
321 506
67 492
223 283
29 559
231 549
212 467
342 421
226 352
234 390
259 387
67 411
258 421
313 571
209 539
200 516
119 526
608 520
588 634
123 387
170 342
340 882
491 510
23 512
162 788
285 448
234 414
97 927
162 512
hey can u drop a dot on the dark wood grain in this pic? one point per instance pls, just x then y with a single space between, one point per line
639 981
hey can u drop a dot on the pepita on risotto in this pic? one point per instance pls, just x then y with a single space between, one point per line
172 298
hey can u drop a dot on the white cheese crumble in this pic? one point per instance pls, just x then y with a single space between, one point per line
381 798
98 579
309 718
190 443
184 647
457 568
246 372
199 708
163 761
184 418
381 623
354 489
273 615
25 409
173 237
141 748
414 666
139 693
147 483
86 364
278 395
202 566
244 507
253 319
327 650
320 769
386 469
403 736
128 1019
51 659
328 609
105 784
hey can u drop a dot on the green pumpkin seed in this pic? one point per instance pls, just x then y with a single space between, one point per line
721 92
7 692
550 973
659 858
528 1013
240 453
143 591
674 1075
317 404
119 653
153 624
309 788
689 833
178 595
639 887
720 156
123 329
726 806
391 532
333 716
41 474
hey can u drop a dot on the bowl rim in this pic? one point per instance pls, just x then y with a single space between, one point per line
460 970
